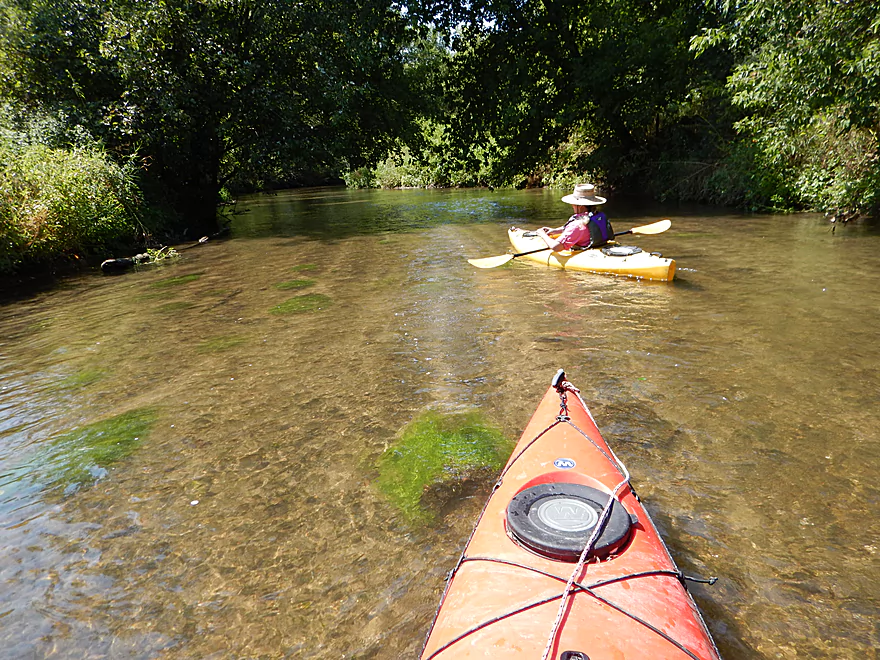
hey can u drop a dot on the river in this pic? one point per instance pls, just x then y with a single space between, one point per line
743 397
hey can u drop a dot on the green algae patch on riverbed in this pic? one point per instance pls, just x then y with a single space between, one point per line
219 344
311 302
438 458
294 284
176 281
81 457
301 267
82 378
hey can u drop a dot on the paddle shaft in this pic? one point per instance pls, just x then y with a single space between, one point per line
544 249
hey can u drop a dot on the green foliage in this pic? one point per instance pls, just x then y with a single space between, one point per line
401 170
60 202
432 166
161 254
362 177
808 77
82 456
757 104
218 93
438 451
529 78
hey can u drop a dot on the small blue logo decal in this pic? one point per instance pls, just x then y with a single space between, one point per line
564 463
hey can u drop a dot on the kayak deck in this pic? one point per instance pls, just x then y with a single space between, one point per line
642 265
512 595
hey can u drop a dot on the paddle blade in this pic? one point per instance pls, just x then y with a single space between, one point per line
491 262
655 228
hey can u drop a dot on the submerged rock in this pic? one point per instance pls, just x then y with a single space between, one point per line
442 495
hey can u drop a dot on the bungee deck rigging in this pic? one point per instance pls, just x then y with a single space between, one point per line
502 573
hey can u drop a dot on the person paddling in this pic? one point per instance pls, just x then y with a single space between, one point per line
587 228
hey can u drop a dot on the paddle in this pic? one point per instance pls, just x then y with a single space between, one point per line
491 262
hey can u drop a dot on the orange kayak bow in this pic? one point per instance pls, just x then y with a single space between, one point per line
564 562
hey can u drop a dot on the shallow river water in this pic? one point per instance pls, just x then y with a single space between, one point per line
743 398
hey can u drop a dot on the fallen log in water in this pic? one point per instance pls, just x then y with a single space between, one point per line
122 264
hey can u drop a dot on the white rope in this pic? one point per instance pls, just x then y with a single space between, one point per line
597 530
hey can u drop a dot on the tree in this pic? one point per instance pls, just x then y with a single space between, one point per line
208 90
530 74
808 79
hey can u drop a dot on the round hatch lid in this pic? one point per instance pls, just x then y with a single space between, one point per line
621 250
557 519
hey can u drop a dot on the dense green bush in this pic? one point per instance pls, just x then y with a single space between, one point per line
820 166
60 203
758 105
806 77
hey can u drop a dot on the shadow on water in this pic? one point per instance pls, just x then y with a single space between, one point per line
20 288
249 522
683 281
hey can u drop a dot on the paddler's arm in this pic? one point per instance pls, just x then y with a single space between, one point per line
552 243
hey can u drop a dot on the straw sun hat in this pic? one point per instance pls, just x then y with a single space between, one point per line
584 195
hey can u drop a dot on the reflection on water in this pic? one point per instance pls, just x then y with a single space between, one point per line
743 397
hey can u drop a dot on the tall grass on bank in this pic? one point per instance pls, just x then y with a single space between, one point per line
61 203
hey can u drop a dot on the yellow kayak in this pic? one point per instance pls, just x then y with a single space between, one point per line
613 259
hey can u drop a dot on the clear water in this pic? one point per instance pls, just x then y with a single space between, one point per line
743 397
